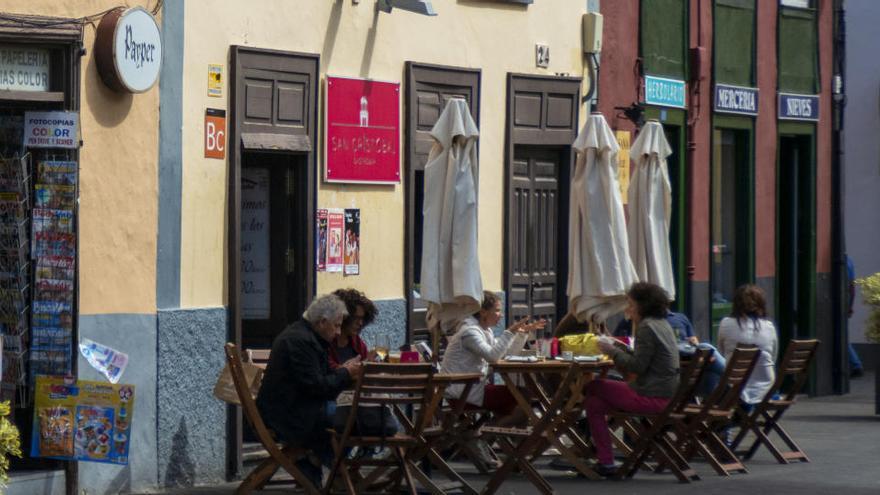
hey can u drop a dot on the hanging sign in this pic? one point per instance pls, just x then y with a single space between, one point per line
51 129
23 68
736 99
798 107
362 131
128 50
215 133
665 92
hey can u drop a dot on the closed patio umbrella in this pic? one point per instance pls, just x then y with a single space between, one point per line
450 280
650 207
600 270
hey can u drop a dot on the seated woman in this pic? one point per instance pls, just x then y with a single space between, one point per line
748 325
472 348
361 312
688 342
654 361
376 421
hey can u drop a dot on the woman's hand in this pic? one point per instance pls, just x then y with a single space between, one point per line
525 325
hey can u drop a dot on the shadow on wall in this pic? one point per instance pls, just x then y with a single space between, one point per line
181 467
121 483
109 108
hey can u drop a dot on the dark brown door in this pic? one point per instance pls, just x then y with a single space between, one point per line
535 281
428 89
542 115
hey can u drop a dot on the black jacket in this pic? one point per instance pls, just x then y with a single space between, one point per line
297 384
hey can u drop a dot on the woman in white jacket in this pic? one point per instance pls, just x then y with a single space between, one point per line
748 325
474 346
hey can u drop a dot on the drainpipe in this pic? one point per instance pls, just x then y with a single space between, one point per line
839 289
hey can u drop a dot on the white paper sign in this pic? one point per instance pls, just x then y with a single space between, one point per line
109 362
51 129
255 289
24 68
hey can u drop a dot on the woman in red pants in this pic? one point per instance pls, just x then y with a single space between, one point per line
654 362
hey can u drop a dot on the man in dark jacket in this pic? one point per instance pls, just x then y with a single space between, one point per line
298 382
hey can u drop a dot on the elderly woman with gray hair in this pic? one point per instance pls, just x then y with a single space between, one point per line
299 382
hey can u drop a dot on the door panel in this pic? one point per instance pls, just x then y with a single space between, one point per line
534 254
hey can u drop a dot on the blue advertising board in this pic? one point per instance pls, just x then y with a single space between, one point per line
665 92
736 99
797 107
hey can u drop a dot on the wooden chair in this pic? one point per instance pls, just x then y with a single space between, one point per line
279 457
791 376
697 430
392 386
650 431
458 423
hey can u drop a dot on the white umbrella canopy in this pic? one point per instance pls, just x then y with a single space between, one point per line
450 280
650 207
600 270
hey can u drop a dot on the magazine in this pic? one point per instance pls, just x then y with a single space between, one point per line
55 196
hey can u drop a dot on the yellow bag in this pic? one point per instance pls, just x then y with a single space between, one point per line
581 344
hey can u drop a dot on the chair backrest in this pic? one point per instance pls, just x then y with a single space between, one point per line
793 369
689 379
258 357
739 368
394 385
233 359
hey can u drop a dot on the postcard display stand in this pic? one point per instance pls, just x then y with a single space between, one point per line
37 268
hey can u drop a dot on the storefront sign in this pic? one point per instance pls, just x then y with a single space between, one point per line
363 131
255 289
665 92
51 129
798 107
736 99
215 133
128 50
23 68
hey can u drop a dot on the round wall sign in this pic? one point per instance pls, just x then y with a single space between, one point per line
128 50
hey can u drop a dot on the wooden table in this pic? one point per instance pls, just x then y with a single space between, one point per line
555 417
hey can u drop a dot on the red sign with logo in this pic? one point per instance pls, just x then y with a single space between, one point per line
215 133
362 138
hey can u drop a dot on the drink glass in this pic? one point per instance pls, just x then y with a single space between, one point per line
382 346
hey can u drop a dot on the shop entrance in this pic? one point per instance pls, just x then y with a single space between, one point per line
795 263
731 221
272 252
272 188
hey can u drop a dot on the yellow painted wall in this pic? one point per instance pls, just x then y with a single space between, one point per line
355 40
118 178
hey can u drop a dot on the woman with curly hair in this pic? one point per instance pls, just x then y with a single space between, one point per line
361 312
654 362
748 325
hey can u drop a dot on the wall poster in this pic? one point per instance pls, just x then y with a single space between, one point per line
335 231
255 289
352 241
82 420
321 240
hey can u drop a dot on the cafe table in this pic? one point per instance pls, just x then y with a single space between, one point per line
551 416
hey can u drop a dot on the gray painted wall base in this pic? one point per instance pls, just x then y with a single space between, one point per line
41 482
768 285
700 308
192 422
869 354
135 335
391 321
825 359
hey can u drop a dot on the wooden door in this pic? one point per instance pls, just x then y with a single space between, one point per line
535 281
428 89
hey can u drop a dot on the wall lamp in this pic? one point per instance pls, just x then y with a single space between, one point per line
423 7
